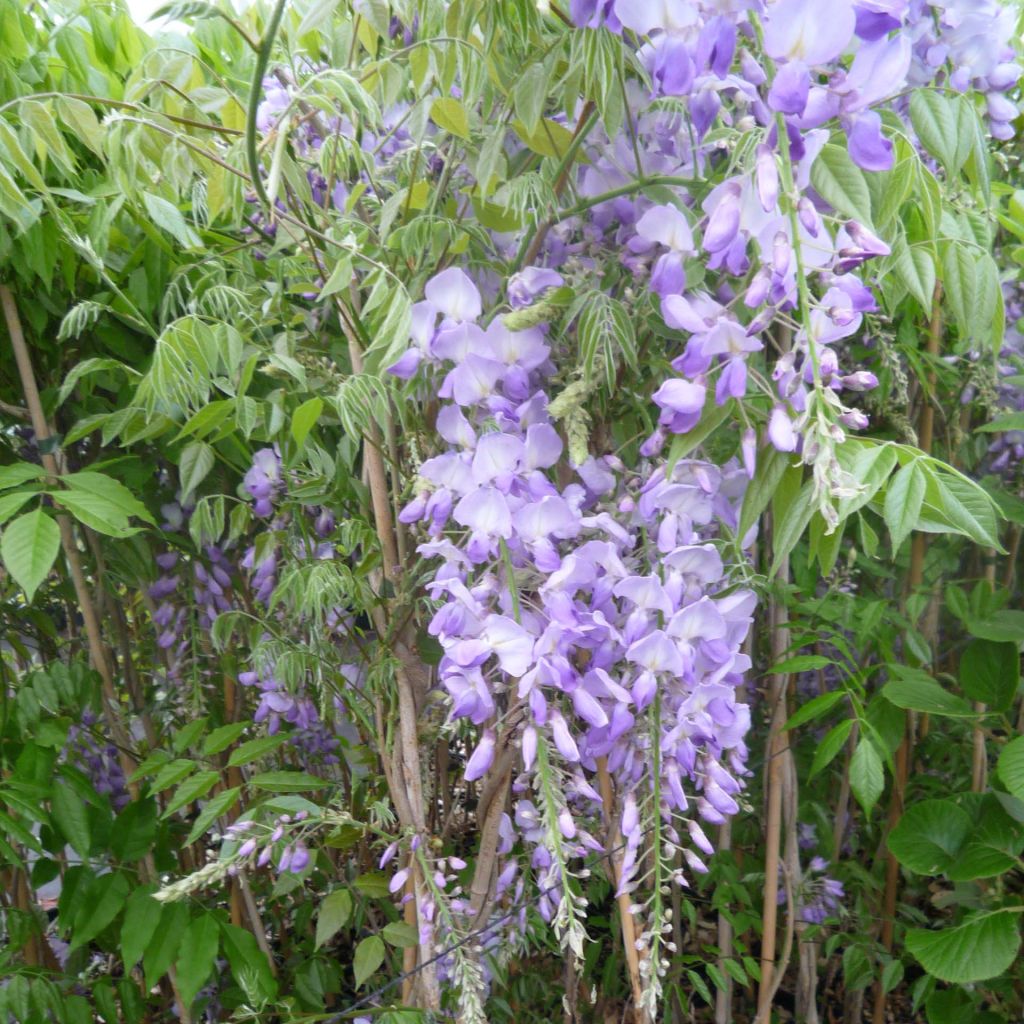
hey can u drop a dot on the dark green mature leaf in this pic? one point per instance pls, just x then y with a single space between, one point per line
815 708
222 737
335 910
841 183
253 749
214 808
287 782
248 963
942 127
141 917
163 946
134 830
995 843
194 788
981 948
833 742
915 690
368 957
99 905
929 836
71 817
197 956
990 672
867 778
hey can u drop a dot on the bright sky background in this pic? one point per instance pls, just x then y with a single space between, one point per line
142 9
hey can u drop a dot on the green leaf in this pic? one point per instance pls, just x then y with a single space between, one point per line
195 463
18 473
771 467
222 738
335 910
841 183
801 663
171 773
214 809
248 963
188 734
867 779
894 188
100 904
981 948
993 846
400 934
964 506
141 917
134 830
903 500
287 782
304 418
815 708
929 836
70 816
793 505
163 946
110 490
1009 421
167 216
368 957
95 512
1011 767
550 138
450 116
960 265
192 789
197 956
830 746
936 119
892 975
28 547
915 690
915 266
251 750
990 673
1005 625
530 95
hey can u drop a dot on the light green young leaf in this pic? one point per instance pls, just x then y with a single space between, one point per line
304 418
167 216
450 116
28 547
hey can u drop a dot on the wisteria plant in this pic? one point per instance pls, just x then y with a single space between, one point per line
511 510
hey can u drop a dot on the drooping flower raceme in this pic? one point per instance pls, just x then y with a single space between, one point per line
592 623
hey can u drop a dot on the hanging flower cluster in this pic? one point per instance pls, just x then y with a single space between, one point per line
590 625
